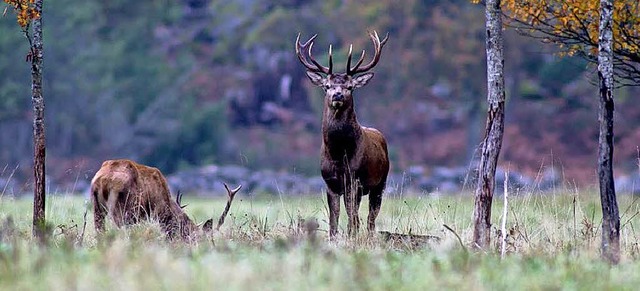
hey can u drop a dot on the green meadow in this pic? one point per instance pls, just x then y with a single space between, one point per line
552 243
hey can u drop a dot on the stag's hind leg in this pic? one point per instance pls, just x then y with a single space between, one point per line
99 211
375 201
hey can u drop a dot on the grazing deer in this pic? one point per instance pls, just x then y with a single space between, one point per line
130 192
354 159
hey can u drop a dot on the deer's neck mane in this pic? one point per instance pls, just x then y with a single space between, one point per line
341 132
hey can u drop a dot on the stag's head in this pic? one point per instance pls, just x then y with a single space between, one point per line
338 87
189 228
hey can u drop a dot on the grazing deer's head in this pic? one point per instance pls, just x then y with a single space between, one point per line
338 87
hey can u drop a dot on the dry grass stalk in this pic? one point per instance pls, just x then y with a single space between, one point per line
503 229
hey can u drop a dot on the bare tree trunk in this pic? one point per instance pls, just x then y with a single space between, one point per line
610 215
494 127
38 126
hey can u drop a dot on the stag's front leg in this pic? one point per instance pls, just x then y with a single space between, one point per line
352 199
333 199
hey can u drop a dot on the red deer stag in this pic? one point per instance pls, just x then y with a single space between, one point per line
130 192
354 159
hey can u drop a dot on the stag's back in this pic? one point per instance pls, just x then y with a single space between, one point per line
115 188
131 191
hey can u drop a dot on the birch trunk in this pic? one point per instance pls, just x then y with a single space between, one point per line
610 215
38 127
494 127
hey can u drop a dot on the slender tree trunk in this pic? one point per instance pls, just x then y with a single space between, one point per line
610 216
494 127
38 127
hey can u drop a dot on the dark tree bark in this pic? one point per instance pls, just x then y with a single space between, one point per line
494 127
610 215
38 126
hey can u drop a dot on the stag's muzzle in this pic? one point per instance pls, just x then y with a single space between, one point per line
337 100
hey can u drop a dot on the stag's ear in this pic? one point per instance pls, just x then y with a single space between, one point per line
208 226
315 78
361 80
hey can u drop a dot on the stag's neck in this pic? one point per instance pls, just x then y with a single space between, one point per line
341 132
176 222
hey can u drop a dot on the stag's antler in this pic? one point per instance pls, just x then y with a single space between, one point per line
377 44
231 193
313 66
179 200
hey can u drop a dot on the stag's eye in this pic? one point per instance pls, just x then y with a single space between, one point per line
326 87
349 87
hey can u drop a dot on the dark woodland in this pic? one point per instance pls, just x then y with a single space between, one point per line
182 84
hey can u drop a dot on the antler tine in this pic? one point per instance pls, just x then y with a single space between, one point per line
302 47
376 56
330 61
232 192
384 40
179 199
358 63
313 66
349 57
322 68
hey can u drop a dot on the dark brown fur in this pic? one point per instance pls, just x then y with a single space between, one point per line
130 192
354 159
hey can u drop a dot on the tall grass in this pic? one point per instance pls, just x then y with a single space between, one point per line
552 244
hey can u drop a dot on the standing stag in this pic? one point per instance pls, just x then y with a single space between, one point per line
354 160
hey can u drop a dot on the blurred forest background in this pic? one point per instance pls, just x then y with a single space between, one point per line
184 83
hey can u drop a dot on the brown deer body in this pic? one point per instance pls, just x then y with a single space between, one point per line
130 192
354 159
